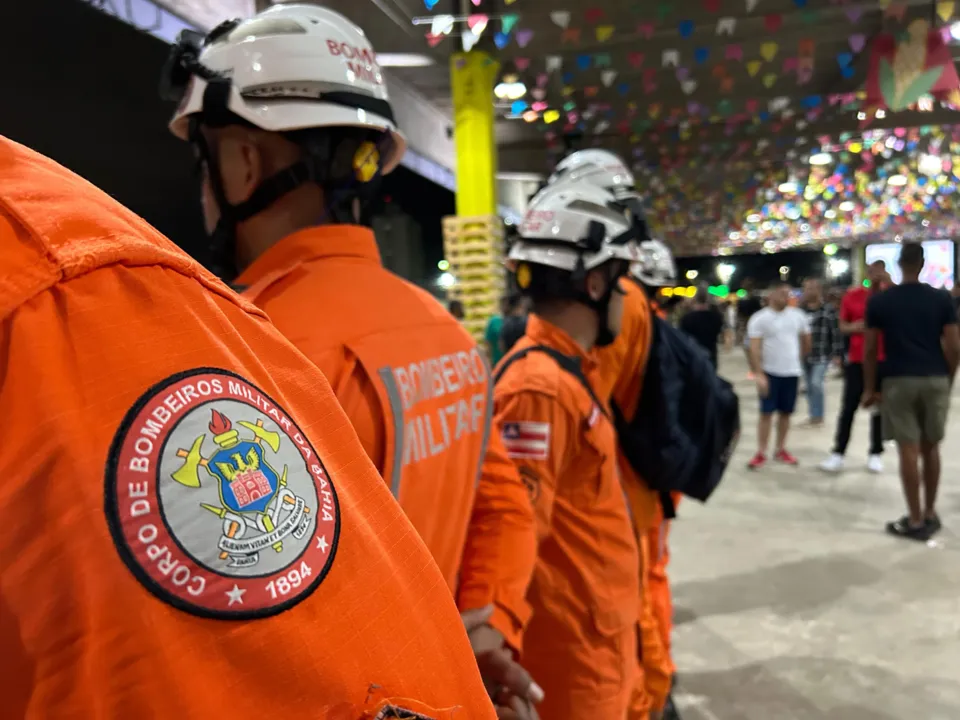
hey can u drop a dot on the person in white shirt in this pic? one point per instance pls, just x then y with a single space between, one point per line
779 340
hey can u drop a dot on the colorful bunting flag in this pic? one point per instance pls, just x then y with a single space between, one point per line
603 32
857 42
431 4
768 51
686 28
593 15
560 18
689 86
508 21
434 40
701 55
583 62
671 57
711 6
752 5
601 60
772 22
468 38
524 37
607 77
501 39
945 9
478 23
790 64
553 62
853 13
645 30
570 35
441 25
734 52
753 67
635 59
726 25
522 63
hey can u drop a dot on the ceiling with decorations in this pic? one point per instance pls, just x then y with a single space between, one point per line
718 105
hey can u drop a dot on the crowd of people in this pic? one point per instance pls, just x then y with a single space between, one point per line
306 491
897 349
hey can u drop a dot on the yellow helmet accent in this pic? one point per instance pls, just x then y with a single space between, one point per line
366 162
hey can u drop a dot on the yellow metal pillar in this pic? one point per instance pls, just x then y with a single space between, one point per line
472 76
858 263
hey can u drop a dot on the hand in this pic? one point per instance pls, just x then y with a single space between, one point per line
870 399
763 385
510 686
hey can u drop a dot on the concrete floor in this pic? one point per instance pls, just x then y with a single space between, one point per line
791 603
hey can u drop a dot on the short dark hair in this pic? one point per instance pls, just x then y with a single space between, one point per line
879 263
911 256
456 309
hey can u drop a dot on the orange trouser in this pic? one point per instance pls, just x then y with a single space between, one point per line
653 683
658 585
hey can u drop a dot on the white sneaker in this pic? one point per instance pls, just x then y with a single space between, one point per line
832 464
875 464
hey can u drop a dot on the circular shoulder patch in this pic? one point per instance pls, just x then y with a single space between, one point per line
217 501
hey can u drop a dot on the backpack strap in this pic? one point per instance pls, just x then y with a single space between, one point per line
566 362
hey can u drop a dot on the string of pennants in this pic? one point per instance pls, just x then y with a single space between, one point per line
510 31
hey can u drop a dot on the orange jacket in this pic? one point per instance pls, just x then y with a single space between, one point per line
417 390
622 367
580 644
191 528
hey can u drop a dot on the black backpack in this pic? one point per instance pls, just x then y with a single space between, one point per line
687 422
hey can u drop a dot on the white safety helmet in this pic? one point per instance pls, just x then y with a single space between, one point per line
597 167
291 67
574 225
656 267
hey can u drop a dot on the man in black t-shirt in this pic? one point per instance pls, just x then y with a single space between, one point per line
922 341
704 323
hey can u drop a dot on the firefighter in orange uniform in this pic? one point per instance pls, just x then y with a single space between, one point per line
580 643
287 181
621 366
191 528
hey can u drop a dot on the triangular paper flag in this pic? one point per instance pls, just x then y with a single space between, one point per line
500 40
623 88
734 52
508 21
646 30
593 15
509 2
554 62
561 18
671 57
790 64
538 93
431 4
769 79
583 62
686 28
604 32
434 40
768 51
522 63
591 91
726 26
719 70
857 42
712 6
896 11
945 10
441 25
751 106
701 55
542 79
682 74
468 38
607 77
524 37
773 21
689 86
853 13
726 85
477 2
601 126
635 59
601 60
753 67
805 48
478 23
570 35
752 5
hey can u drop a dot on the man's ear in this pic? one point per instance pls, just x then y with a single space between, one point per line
241 164
596 284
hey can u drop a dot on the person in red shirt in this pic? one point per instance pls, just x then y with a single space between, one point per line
853 310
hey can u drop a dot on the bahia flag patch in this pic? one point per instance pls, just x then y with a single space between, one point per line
526 440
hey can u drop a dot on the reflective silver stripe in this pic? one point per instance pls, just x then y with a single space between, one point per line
396 409
487 419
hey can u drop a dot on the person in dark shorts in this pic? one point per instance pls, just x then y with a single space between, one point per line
704 323
919 326
779 340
